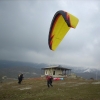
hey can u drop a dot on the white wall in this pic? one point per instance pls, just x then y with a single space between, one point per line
50 71
57 72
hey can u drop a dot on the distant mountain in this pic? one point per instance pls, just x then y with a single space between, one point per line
11 69
4 63
88 73
84 72
88 70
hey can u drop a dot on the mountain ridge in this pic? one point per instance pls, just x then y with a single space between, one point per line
13 68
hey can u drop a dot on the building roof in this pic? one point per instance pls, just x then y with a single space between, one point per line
56 67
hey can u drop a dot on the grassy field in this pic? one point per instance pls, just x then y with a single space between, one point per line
36 89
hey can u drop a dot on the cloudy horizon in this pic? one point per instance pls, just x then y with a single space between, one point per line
24 29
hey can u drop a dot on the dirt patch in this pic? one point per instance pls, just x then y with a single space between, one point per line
63 83
96 83
0 86
77 84
24 88
10 82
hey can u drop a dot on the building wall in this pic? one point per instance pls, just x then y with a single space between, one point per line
53 72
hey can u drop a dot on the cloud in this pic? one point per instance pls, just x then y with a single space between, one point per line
25 27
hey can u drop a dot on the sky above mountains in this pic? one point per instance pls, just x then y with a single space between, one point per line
24 29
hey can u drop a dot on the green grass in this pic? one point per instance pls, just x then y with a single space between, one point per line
36 89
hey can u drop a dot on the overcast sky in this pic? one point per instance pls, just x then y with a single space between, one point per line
24 29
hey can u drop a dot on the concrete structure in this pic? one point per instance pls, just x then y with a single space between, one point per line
56 71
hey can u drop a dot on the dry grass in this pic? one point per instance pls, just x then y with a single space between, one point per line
36 89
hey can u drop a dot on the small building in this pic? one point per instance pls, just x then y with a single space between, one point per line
56 71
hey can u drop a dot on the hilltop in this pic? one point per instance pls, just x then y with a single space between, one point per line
36 89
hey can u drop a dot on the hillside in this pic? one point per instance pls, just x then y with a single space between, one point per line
36 89
11 69
13 72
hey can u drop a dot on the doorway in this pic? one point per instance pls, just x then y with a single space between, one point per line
53 72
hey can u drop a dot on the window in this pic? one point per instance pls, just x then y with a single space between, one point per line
45 72
53 72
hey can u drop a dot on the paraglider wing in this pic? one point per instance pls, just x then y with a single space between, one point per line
60 25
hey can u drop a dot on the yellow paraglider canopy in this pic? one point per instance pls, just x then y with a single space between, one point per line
61 23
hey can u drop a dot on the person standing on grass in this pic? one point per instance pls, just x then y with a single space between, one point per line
20 78
49 80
